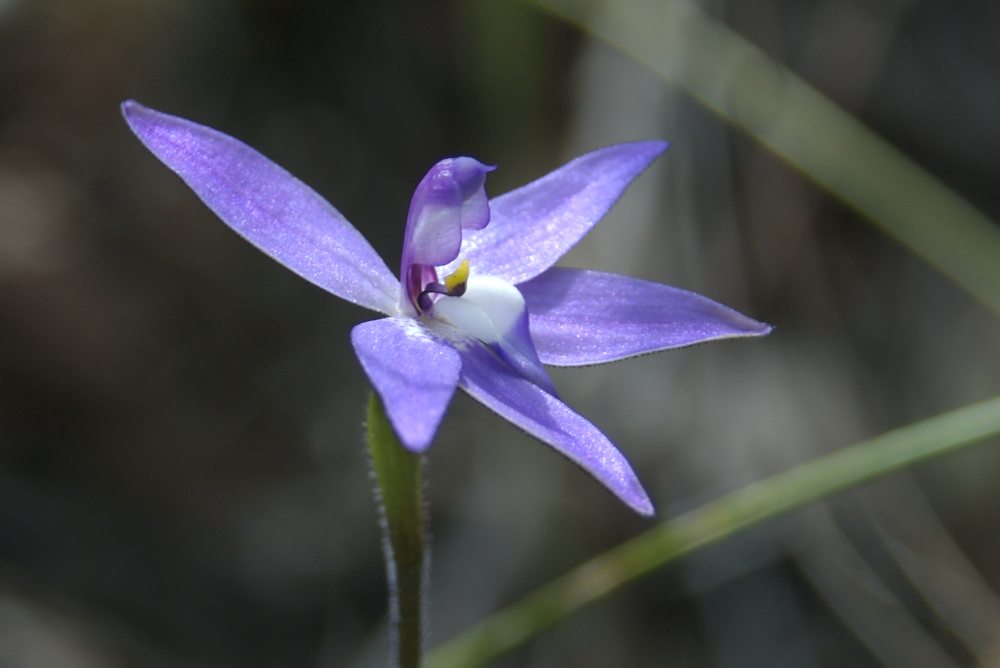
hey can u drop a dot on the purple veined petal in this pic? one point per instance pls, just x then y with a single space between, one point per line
450 198
414 372
532 227
269 207
488 379
582 317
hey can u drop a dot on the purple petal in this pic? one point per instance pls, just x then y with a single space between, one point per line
532 227
517 349
587 317
414 372
449 199
489 380
269 207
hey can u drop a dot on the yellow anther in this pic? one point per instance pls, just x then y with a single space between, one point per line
458 277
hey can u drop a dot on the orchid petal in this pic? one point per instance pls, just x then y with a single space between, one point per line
587 317
414 372
532 227
269 207
489 380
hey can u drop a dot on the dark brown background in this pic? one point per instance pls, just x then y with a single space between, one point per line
182 478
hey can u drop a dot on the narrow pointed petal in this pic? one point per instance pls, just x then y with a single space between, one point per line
580 317
489 380
414 372
532 227
269 207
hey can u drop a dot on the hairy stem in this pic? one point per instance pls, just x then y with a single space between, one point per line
400 495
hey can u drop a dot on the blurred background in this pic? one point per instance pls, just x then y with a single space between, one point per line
182 475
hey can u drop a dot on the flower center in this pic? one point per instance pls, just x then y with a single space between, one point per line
454 286
489 309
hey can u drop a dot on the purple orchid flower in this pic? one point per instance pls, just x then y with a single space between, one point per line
478 304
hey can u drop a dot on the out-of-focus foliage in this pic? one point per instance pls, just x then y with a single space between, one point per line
182 478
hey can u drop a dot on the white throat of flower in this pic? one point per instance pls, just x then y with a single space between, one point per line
493 311
488 310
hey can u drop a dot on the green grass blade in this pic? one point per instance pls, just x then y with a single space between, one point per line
714 521
739 82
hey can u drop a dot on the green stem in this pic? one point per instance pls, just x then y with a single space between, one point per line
715 521
403 512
